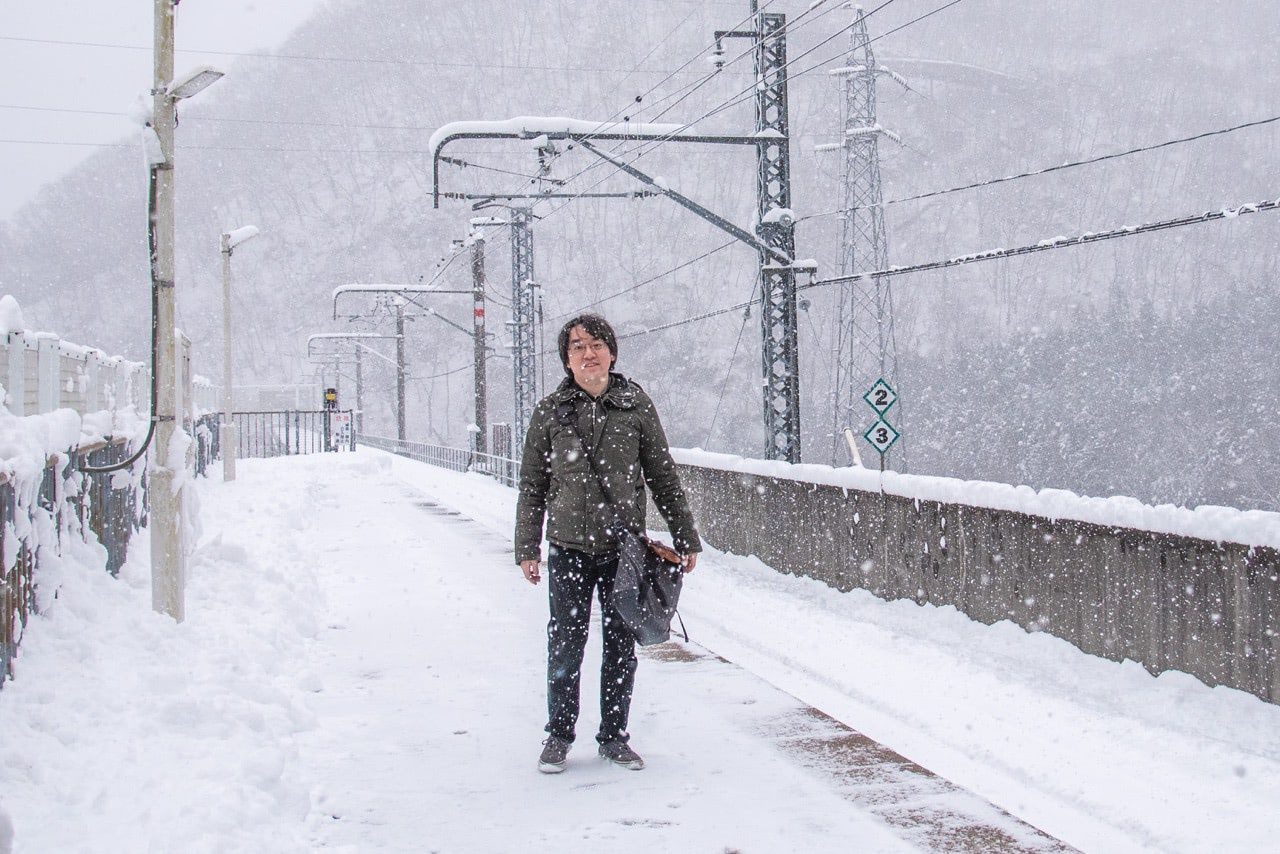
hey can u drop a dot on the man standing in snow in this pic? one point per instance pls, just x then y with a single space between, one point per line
620 426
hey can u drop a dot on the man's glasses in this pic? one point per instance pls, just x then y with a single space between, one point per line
580 347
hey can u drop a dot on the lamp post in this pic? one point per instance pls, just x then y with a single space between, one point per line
230 240
167 556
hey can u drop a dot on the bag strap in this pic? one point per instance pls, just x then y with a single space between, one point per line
567 415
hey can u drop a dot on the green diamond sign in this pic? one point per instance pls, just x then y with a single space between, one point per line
880 397
881 435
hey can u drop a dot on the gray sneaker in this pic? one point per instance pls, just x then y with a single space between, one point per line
554 751
621 754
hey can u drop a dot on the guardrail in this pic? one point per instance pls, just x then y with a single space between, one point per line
294 431
502 469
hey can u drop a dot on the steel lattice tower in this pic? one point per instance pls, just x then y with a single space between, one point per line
524 345
866 346
780 352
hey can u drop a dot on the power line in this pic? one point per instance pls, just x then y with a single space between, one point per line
640 99
746 94
276 150
645 148
58 110
1062 166
993 254
648 281
746 315
642 151
1057 243
344 59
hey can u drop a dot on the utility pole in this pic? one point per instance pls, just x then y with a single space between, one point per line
167 559
478 333
866 345
524 345
400 370
168 556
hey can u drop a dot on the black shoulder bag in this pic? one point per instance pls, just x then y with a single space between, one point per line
647 585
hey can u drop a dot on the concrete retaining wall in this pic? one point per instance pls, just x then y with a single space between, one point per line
1167 601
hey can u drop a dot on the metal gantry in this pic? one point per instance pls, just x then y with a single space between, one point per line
523 323
774 239
354 338
866 348
780 351
396 297
479 340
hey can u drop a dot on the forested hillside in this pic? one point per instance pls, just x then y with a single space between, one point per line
1142 366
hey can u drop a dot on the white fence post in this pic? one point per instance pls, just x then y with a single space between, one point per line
93 381
16 383
48 371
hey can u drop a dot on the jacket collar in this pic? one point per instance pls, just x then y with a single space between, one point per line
621 393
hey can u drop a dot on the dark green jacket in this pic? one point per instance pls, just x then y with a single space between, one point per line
630 450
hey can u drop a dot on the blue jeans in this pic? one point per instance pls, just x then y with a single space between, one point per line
572 576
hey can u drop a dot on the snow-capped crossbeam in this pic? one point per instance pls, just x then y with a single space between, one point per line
405 291
559 127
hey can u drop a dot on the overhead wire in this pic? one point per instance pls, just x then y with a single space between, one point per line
1062 166
647 281
639 98
715 414
996 254
747 52
648 146
362 60
737 98
746 94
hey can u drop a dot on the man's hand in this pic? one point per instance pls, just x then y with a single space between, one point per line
531 571
689 561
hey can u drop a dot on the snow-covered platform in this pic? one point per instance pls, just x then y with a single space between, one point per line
362 669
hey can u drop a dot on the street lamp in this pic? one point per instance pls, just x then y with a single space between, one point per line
230 240
168 557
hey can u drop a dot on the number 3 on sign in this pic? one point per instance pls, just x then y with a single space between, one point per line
881 435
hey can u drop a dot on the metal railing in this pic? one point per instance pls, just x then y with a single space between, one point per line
502 469
290 432
87 507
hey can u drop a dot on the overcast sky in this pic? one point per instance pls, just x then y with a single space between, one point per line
69 72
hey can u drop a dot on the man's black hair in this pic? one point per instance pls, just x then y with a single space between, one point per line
595 326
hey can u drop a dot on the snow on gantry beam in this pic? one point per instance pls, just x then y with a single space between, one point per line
552 127
398 289
560 127
331 336
389 289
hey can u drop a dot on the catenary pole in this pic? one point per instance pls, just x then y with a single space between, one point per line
400 371
779 324
478 333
